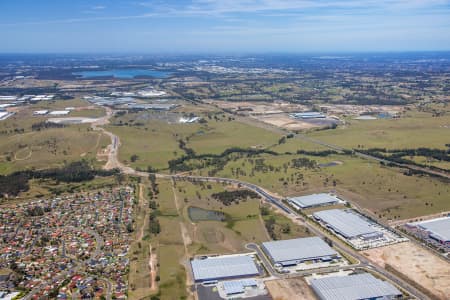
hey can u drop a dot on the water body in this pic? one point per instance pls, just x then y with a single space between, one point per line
123 73
197 214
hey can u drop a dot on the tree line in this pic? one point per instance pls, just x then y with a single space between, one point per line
78 171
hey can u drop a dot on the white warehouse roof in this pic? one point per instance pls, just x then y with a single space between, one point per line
353 287
439 228
238 286
222 267
298 249
59 112
313 200
345 222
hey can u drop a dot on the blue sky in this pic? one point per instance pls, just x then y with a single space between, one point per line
235 26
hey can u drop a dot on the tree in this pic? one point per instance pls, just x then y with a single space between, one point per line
134 158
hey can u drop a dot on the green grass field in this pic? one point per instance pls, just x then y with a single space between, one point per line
181 238
22 148
412 131
49 148
383 190
155 142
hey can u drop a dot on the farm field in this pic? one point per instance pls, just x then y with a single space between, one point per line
49 148
414 130
384 191
21 147
155 142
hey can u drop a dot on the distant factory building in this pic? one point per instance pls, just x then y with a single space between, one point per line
354 287
40 112
158 106
437 229
313 200
348 224
223 267
8 98
188 120
59 112
295 251
5 105
308 115
5 115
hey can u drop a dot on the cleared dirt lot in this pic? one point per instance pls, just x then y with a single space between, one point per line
288 289
416 264
284 121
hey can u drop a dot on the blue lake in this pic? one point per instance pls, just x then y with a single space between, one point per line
123 73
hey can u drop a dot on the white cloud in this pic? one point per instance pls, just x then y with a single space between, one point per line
98 7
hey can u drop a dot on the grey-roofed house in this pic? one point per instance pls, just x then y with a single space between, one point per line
313 200
223 267
347 223
438 229
295 251
354 287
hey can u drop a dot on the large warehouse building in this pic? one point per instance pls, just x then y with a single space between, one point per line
438 229
223 267
361 286
313 200
348 224
295 251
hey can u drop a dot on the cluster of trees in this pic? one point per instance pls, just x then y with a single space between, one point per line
228 197
322 153
303 162
437 154
153 185
181 164
13 184
78 171
154 225
37 210
44 125
397 156
270 225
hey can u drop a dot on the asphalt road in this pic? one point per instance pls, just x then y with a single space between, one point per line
113 162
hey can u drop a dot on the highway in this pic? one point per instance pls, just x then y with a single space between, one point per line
113 162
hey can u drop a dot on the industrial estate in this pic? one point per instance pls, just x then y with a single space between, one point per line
224 178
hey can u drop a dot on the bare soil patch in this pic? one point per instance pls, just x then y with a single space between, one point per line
287 289
417 264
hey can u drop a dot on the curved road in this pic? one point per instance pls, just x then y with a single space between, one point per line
113 162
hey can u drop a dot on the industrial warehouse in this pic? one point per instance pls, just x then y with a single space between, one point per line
308 115
290 253
434 231
210 269
360 286
243 288
314 200
359 231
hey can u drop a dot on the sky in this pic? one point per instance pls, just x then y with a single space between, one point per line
223 26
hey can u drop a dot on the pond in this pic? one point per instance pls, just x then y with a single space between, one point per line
123 73
197 214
